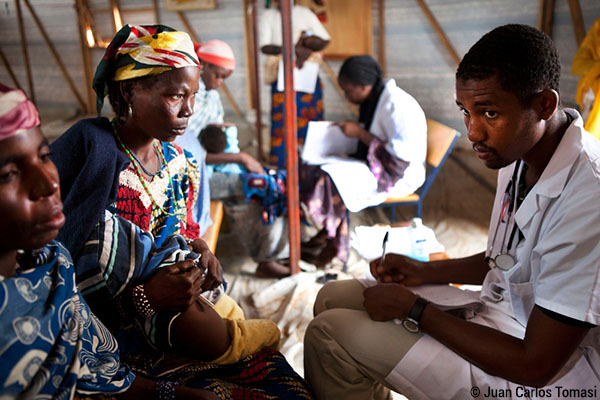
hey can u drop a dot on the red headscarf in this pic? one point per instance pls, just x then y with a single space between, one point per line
16 112
216 52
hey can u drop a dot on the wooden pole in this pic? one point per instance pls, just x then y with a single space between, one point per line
116 14
578 23
10 71
86 58
381 37
256 78
195 38
55 55
24 50
156 11
439 31
249 52
291 140
546 16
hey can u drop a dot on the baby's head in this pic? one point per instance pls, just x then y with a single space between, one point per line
213 139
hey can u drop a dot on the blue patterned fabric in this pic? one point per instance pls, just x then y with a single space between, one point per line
51 345
116 258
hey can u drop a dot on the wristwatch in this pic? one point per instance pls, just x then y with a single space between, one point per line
412 322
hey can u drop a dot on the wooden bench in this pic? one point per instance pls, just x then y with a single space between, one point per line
212 233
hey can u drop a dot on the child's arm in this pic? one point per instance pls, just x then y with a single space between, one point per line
251 164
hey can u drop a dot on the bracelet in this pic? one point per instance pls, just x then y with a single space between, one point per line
141 303
165 390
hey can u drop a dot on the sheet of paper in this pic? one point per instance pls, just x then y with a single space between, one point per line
447 297
368 240
326 142
305 79
462 303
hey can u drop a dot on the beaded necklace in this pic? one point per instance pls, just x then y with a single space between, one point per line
158 173
141 177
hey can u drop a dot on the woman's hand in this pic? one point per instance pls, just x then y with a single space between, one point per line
354 130
174 287
251 164
387 301
214 272
302 54
399 269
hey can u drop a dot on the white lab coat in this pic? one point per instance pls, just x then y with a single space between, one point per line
558 268
399 121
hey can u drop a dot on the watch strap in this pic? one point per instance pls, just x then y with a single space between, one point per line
417 309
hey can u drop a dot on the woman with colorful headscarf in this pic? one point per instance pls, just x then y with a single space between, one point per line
51 345
129 167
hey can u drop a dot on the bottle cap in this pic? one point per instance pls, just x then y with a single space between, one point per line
416 222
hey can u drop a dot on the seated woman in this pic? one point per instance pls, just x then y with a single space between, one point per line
51 345
129 165
152 71
392 143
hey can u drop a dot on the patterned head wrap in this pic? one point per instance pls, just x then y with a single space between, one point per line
17 113
216 52
142 50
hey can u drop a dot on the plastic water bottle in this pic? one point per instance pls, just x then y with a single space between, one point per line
418 240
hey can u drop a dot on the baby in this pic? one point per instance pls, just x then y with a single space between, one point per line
219 140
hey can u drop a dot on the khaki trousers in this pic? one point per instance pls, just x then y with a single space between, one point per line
347 355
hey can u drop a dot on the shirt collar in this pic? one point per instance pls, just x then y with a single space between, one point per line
556 173
554 178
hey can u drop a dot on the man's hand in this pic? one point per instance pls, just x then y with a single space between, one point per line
251 164
387 301
208 261
399 269
174 287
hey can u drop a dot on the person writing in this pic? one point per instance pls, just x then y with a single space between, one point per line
537 334
392 143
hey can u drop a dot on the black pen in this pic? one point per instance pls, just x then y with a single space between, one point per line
385 239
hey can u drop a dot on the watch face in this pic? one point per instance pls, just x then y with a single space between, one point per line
411 325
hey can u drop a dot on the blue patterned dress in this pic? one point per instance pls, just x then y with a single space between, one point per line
51 345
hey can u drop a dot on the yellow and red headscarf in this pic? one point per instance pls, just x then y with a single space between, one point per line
142 50
216 52
17 113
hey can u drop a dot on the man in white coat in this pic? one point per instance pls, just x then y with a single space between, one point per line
536 334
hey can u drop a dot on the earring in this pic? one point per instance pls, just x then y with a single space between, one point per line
130 111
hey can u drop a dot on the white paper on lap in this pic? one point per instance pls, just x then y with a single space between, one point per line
326 142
